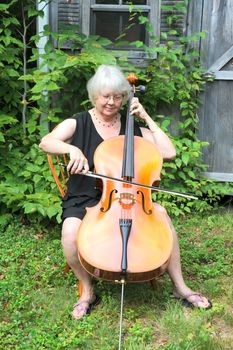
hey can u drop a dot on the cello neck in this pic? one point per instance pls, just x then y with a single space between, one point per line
128 155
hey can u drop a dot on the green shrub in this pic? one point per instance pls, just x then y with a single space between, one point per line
31 98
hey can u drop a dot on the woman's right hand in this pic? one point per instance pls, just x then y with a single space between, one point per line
78 162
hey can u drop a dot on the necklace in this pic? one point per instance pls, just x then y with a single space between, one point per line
107 124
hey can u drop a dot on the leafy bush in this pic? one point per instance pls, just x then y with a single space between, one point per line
32 97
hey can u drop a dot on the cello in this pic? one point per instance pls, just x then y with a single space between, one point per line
123 238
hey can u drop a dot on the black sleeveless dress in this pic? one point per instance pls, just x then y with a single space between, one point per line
81 191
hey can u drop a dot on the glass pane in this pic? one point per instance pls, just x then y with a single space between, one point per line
135 2
111 24
106 24
107 2
136 32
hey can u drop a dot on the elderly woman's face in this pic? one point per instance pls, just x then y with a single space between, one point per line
108 102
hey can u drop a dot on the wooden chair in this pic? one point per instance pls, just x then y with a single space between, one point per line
60 175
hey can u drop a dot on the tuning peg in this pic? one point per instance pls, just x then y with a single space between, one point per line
141 89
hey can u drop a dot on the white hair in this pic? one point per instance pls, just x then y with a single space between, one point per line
108 78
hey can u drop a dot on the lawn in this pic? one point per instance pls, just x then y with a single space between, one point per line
37 296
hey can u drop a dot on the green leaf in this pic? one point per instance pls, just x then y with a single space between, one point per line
191 174
142 19
27 77
201 34
165 123
48 47
51 211
137 44
4 7
29 208
7 119
184 105
178 162
32 12
12 72
163 35
122 43
170 165
37 178
2 139
182 175
104 41
185 158
52 86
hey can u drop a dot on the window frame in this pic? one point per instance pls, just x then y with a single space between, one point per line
153 8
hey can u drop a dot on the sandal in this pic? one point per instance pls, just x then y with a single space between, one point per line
83 308
191 304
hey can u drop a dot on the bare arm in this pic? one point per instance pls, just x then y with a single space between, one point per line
58 142
153 133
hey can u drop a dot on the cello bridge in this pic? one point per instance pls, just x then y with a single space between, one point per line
126 200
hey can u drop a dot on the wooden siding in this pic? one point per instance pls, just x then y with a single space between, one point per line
179 25
68 13
216 127
216 53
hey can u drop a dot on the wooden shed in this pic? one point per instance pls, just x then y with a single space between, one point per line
215 18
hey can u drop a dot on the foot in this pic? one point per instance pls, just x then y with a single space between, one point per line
84 307
192 299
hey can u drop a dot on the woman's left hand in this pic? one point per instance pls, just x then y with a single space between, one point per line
137 109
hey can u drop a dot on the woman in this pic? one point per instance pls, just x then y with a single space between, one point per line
79 136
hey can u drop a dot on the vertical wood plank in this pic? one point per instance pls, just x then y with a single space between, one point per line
217 23
215 115
194 21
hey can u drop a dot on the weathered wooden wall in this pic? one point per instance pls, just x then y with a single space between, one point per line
215 18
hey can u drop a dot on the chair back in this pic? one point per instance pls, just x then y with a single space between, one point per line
60 175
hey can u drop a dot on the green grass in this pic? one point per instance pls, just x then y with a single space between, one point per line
37 297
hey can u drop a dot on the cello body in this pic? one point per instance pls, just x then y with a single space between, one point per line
100 237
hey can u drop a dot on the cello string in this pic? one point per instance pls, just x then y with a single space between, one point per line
121 313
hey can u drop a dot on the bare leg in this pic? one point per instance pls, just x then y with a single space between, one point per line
180 289
69 234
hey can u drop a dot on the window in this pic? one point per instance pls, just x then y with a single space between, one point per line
109 18
111 24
